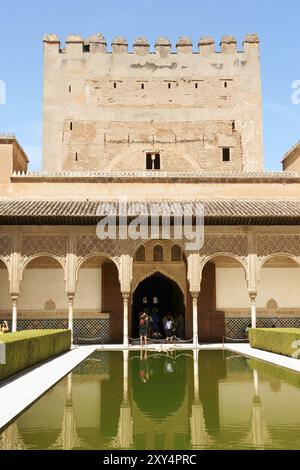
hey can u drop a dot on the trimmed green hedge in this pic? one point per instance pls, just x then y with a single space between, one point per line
29 347
277 340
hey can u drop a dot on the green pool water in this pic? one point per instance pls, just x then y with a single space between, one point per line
175 400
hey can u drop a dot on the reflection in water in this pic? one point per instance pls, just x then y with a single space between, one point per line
259 435
163 400
11 439
68 438
124 439
199 436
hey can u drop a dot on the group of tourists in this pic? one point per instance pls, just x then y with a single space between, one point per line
151 326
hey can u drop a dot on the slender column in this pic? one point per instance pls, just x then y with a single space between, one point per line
71 314
195 318
125 319
14 313
253 308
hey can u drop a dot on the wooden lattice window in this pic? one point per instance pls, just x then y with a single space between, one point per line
158 253
176 254
140 254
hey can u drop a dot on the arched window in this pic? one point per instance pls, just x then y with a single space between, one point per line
140 254
176 253
158 253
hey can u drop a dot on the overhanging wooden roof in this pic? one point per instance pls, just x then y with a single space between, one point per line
89 212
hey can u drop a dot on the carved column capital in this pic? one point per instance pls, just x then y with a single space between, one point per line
252 295
195 294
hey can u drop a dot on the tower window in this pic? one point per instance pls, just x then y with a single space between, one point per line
71 126
225 84
196 85
226 154
169 85
152 161
142 86
158 253
176 253
76 157
140 254
70 88
233 125
115 84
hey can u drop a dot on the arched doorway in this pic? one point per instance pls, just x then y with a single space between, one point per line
98 293
162 294
43 301
223 295
278 303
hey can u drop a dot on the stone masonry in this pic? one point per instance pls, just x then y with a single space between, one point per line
107 110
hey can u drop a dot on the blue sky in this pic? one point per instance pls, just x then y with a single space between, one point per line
23 24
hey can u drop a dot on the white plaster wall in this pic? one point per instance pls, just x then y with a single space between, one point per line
40 285
280 284
5 300
88 289
231 288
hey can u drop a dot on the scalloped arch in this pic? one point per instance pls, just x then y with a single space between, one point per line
81 261
40 255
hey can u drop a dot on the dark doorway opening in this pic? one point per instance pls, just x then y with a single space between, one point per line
211 323
161 296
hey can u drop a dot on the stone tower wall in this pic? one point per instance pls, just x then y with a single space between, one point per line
105 110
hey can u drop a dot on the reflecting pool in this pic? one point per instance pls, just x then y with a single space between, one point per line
164 400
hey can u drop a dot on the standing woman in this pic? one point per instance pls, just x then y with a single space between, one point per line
143 326
4 327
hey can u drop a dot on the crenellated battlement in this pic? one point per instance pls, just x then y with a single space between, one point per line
96 44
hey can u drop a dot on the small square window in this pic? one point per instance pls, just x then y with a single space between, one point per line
226 154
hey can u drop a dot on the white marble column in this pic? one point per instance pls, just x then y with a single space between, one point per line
71 314
125 319
14 313
253 309
195 318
